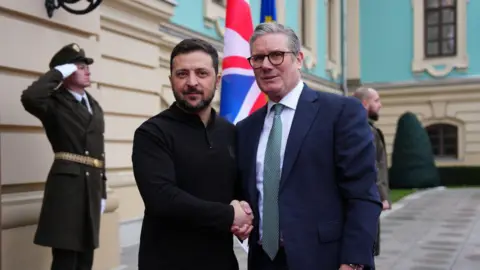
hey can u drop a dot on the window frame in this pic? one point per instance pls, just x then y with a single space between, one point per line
441 132
440 25
439 66
333 22
306 31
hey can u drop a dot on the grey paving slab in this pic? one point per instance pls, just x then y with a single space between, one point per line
438 230
129 257
434 230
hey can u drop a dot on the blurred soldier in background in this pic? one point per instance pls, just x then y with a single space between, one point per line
75 190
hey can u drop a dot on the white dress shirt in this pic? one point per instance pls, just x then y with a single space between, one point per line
290 102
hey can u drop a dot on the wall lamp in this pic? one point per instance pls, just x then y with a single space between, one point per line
51 5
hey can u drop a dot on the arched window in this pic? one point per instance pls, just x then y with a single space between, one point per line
444 140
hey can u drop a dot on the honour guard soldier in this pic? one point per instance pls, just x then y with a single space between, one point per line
75 190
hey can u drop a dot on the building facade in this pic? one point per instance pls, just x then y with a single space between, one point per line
422 56
131 42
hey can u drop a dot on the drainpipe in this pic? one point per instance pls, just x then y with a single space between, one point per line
343 19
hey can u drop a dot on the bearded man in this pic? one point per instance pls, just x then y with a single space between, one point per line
185 168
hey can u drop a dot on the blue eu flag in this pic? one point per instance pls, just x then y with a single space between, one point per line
268 12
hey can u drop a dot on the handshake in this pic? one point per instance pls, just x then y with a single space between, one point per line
242 222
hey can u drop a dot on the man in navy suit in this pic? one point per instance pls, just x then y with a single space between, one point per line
307 161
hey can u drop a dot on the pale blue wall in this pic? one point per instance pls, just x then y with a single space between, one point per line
386 41
189 14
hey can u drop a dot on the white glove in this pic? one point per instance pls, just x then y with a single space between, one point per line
104 203
66 69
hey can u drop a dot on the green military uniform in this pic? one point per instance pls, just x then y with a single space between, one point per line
70 216
382 173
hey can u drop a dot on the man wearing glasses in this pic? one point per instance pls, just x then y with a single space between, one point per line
307 162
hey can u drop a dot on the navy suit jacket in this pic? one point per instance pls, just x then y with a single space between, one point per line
329 204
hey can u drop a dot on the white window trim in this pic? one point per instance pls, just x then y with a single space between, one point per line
430 65
213 15
309 50
333 66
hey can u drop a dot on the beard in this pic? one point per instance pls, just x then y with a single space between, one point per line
373 116
186 106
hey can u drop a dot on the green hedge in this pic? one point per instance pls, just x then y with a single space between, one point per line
459 176
456 176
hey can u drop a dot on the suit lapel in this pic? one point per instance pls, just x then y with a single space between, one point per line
305 114
256 130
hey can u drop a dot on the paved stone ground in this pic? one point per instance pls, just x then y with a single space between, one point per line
434 230
129 257
439 230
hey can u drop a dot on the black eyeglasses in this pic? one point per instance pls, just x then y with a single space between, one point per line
275 58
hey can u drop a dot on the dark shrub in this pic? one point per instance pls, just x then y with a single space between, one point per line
413 163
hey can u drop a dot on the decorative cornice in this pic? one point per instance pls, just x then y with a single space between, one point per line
183 33
121 16
321 81
425 84
160 10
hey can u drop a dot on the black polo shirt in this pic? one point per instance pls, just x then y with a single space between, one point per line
187 176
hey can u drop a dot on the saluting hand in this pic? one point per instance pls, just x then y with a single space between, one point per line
67 69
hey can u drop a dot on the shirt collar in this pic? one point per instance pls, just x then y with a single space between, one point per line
187 117
78 96
291 99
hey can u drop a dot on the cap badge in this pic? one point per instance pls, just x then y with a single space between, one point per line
76 48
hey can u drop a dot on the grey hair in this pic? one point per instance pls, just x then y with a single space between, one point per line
363 93
277 28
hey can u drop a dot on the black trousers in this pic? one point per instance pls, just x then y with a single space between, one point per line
376 250
263 262
71 260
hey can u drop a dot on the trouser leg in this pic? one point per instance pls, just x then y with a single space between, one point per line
72 260
377 241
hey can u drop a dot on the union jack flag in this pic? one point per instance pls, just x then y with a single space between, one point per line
240 95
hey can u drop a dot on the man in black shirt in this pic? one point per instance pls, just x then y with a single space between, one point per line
185 168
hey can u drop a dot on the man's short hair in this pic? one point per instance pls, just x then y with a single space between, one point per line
362 93
192 45
262 29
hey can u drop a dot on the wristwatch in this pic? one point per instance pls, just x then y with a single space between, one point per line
356 266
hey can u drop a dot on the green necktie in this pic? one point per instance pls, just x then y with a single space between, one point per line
271 183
